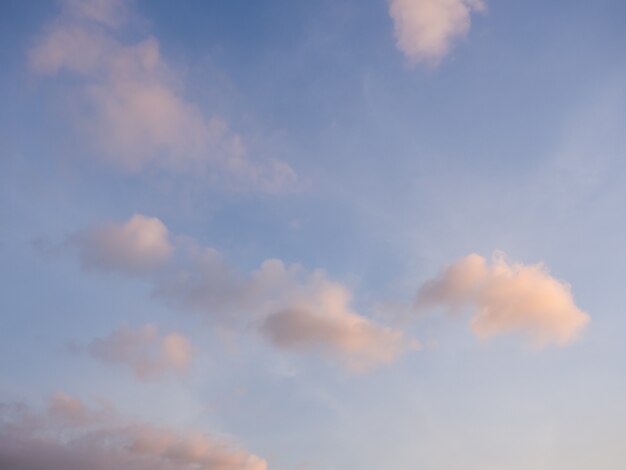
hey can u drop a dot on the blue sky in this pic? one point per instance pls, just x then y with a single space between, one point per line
312 235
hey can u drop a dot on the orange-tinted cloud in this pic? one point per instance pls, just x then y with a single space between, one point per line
507 298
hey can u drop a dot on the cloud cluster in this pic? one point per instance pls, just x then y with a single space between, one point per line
132 105
507 298
70 436
144 351
293 308
425 30
302 310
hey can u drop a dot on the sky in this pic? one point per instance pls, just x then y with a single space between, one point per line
331 235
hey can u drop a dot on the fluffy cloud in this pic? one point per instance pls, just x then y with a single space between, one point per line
138 246
425 30
294 308
507 298
100 440
144 351
132 104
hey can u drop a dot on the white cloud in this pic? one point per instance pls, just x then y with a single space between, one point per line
292 307
507 298
144 351
426 30
101 440
133 109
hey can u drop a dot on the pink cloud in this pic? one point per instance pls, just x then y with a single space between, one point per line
507 298
144 351
360 343
133 108
426 30
293 308
138 246
101 440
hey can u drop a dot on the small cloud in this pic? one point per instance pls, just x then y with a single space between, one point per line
426 30
144 351
507 298
138 246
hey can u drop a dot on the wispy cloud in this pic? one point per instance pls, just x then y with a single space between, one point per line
71 436
148 354
293 308
426 30
507 298
132 104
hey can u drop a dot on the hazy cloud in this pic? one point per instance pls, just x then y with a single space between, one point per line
507 298
133 108
101 440
144 351
426 30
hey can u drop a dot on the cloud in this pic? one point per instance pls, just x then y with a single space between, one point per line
507 298
101 440
132 105
357 341
425 30
144 351
295 309
138 246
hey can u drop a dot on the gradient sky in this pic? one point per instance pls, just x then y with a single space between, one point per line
330 235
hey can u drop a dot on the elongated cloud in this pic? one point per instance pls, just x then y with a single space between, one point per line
144 351
426 30
507 298
293 308
70 436
360 343
132 104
